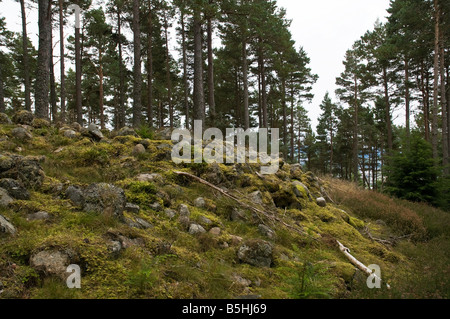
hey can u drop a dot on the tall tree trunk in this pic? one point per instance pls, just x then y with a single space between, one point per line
388 111
2 95
292 125
54 107
78 98
211 99
26 64
245 80
407 101
434 127
355 133
42 71
284 106
263 85
121 112
168 79
62 64
445 146
199 100
185 75
101 90
425 98
137 79
150 66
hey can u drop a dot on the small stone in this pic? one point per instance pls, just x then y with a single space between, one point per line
51 262
127 131
266 231
256 197
145 143
94 132
199 202
76 126
156 207
4 119
215 231
321 202
257 253
238 215
6 226
138 149
184 221
38 216
115 247
14 188
170 213
5 199
138 223
132 208
184 210
75 194
204 220
235 240
21 134
154 177
196 229
70 134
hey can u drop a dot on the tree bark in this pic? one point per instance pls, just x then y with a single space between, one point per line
121 111
42 71
211 99
245 80
26 64
2 95
62 64
407 101
54 107
101 90
168 79
199 100
355 133
78 98
445 148
263 85
388 111
150 66
185 75
137 80
434 128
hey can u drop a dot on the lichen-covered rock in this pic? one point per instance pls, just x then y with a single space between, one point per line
23 117
38 216
184 210
256 197
15 188
26 170
94 132
200 202
21 134
53 262
104 198
195 229
127 131
164 134
75 194
70 134
150 177
258 253
321 202
5 199
301 190
266 231
6 226
40 123
138 223
4 119
132 208
138 149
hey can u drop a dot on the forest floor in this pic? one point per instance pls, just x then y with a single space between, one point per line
137 229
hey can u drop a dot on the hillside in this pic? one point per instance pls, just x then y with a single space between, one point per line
114 204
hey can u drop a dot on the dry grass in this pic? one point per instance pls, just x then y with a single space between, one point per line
377 206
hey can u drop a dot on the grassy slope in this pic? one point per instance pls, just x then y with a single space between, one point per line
306 265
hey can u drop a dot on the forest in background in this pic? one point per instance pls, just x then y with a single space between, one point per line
256 77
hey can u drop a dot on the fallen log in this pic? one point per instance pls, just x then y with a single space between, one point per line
359 264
